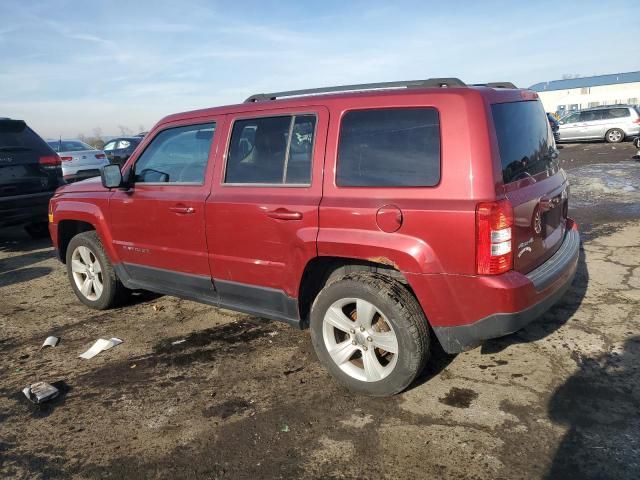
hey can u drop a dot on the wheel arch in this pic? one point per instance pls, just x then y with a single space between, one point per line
73 217
322 269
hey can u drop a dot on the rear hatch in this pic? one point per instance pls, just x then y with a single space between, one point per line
535 185
27 164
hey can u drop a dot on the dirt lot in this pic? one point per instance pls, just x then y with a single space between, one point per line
245 398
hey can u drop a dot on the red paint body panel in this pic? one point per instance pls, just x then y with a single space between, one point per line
233 235
246 243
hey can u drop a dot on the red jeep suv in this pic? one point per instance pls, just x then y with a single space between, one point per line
374 214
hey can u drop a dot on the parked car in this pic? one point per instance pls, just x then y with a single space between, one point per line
612 124
79 160
366 216
119 149
555 126
29 174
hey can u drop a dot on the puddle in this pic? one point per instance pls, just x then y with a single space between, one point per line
459 397
610 182
605 192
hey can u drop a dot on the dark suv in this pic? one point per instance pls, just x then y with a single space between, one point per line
30 172
374 217
119 149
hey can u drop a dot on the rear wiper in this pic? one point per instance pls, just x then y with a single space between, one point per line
14 148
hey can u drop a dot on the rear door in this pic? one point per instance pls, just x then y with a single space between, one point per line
27 164
591 124
534 183
262 216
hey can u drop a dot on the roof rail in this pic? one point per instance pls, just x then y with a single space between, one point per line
431 82
495 85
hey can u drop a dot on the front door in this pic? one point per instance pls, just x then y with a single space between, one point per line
158 225
262 216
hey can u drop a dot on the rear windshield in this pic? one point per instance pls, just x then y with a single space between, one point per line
69 146
15 136
524 138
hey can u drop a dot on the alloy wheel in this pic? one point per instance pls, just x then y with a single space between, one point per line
360 339
87 273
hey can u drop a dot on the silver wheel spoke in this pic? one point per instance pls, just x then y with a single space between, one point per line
385 340
86 287
97 287
96 267
342 352
365 312
338 319
373 370
78 267
85 253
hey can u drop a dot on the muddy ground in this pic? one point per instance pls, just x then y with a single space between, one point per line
242 397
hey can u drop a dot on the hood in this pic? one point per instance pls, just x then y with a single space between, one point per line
89 185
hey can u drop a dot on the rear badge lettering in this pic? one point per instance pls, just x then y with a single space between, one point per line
525 247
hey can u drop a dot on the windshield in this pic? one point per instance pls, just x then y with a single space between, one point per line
525 139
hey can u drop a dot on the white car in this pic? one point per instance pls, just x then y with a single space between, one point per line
79 160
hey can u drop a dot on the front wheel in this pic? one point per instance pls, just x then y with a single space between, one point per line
370 333
615 135
91 274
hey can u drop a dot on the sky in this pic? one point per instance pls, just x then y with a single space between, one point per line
70 67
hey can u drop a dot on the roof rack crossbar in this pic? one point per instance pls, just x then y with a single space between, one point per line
431 82
496 85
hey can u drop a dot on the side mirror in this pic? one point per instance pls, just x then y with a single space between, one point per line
111 176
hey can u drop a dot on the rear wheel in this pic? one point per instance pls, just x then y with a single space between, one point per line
91 274
370 333
615 135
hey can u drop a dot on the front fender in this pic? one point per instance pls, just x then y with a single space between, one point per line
93 211
402 252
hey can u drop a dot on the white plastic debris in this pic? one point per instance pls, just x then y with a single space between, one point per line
100 346
40 392
178 342
50 342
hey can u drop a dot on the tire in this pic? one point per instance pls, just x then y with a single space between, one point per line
103 288
615 135
37 230
353 356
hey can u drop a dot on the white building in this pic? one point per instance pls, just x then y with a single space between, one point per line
562 96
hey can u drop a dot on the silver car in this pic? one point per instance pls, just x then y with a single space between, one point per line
612 124
79 160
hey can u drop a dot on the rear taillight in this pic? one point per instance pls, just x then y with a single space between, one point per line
637 120
49 161
66 159
100 155
494 222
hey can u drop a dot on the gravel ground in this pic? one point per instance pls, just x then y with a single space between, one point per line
243 397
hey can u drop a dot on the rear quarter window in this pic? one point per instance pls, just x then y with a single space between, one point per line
524 139
391 147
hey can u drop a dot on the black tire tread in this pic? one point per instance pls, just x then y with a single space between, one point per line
117 291
410 313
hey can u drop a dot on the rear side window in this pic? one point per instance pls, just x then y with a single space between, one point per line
613 113
271 150
524 138
391 147
15 136
176 155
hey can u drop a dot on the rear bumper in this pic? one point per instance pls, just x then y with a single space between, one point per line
506 303
21 209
